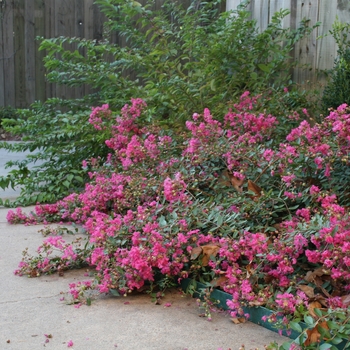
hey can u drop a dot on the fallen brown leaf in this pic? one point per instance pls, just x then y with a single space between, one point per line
209 250
237 183
253 187
219 281
346 300
312 306
196 252
257 303
311 275
313 335
238 320
309 291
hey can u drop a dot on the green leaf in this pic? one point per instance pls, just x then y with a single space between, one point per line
114 292
254 75
264 68
325 346
332 325
212 85
162 221
296 326
337 340
286 345
309 320
219 220
318 312
66 183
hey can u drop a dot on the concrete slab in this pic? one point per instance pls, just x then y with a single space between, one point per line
31 308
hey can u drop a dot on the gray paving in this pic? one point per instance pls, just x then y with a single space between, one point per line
33 317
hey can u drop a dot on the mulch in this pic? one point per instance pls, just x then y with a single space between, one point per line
5 136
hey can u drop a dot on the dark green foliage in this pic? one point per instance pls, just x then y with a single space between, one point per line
180 60
337 91
60 141
7 113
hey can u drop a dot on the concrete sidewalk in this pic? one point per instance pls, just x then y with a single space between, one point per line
30 309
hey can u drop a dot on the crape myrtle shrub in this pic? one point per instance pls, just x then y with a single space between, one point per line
179 60
162 208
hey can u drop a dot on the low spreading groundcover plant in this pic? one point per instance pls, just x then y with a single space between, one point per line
224 204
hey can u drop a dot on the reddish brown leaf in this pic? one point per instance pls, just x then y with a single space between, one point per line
257 303
346 300
312 275
219 281
238 320
253 187
312 306
237 183
313 335
227 179
309 291
196 252
209 250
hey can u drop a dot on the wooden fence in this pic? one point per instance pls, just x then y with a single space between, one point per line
22 74
317 52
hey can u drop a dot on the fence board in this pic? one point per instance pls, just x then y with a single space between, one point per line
88 19
19 42
233 4
39 20
326 48
343 9
30 50
9 53
2 81
305 50
50 33
278 5
64 26
261 11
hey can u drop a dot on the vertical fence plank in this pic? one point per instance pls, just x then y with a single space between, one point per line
2 57
326 47
261 13
62 26
89 19
233 4
305 49
98 21
9 53
39 20
20 57
79 20
343 9
88 28
50 33
29 43
276 6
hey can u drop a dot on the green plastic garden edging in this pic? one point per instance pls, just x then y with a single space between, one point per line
255 313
